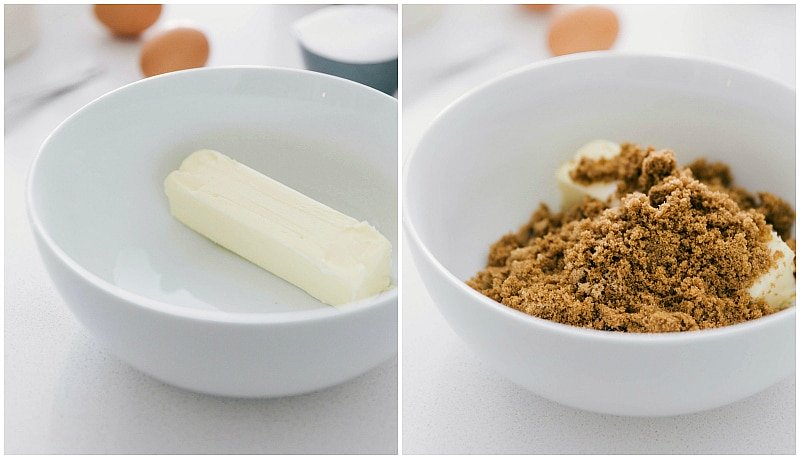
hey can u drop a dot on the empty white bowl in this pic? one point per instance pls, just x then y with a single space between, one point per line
486 162
167 300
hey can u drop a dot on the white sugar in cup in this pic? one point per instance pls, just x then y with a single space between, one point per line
357 42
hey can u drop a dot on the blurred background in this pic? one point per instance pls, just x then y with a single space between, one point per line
450 49
80 52
453 403
65 394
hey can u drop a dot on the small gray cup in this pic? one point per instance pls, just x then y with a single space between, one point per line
357 42
380 75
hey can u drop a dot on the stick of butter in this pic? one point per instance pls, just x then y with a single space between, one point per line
572 193
333 257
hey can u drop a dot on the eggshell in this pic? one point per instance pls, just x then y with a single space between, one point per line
127 20
541 8
175 49
589 28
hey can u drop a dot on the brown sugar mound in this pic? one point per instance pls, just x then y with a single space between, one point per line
776 211
636 169
677 254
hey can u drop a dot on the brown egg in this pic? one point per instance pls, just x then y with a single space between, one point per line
589 28
175 49
538 8
127 20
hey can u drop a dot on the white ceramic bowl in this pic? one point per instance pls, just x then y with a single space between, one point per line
489 159
165 299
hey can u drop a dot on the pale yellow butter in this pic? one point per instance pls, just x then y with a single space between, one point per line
572 192
776 286
333 257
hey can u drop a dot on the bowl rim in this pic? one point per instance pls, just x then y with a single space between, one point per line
385 298
788 313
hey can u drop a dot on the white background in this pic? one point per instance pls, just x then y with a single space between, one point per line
64 394
454 404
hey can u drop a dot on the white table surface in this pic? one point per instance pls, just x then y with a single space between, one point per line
63 393
451 402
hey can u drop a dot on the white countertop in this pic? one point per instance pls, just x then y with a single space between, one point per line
451 402
63 393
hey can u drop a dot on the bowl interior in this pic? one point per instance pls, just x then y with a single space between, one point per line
487 161
97 187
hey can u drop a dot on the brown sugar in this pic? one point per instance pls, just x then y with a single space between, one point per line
636 169
678 253
777 212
